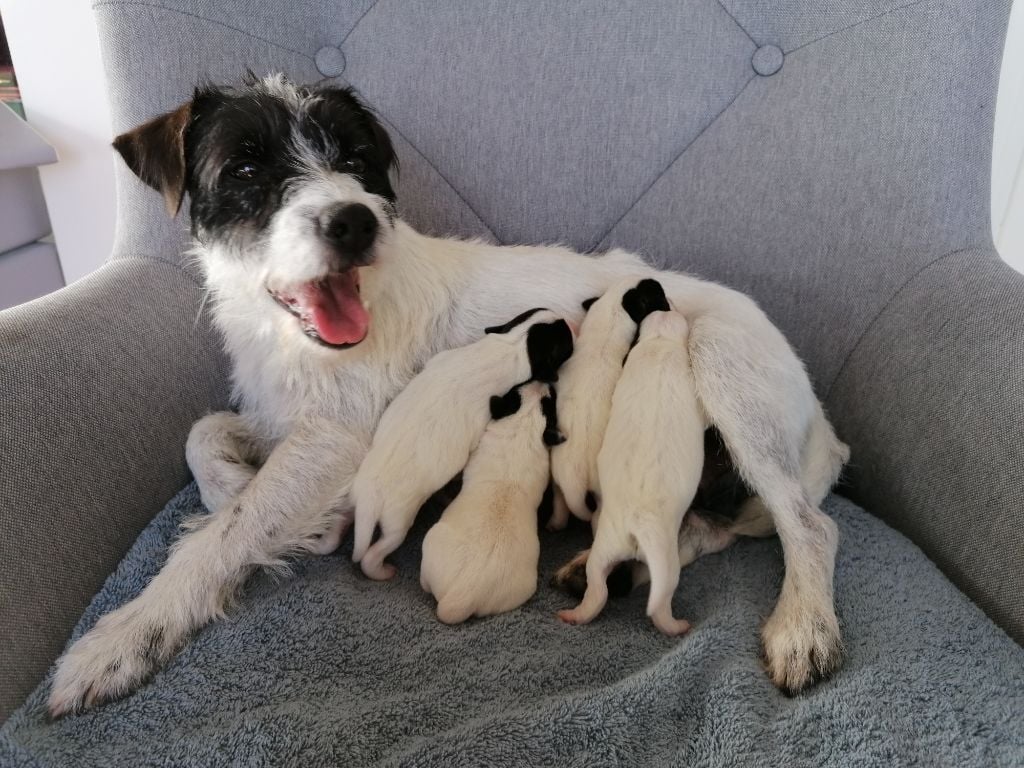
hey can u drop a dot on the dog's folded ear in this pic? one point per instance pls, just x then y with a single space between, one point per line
155 151
505 405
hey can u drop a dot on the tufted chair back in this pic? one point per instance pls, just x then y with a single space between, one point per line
830 158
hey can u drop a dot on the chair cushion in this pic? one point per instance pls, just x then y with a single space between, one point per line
327 668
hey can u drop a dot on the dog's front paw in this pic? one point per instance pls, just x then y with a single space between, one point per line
113 659
801 647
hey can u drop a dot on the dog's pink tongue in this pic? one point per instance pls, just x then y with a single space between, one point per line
336 310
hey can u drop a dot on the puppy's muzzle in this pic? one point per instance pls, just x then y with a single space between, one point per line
350 229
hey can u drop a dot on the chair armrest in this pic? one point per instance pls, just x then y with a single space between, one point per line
932 403
99 385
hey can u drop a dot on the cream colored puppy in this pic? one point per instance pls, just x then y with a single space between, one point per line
585 390
649 467
481 556
426 435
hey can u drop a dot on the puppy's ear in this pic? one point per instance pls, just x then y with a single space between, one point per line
648 296
517 320
155 151
552 435
505 405
589 303
548 345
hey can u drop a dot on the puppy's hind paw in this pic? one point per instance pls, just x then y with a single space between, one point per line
379 571
572 617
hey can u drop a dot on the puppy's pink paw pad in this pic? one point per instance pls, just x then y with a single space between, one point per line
569 617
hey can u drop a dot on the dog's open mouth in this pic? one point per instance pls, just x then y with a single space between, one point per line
329 310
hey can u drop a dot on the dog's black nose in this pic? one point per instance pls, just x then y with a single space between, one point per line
350 228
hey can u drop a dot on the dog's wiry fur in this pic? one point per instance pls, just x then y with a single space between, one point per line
426 435
481 557
306 409
649 467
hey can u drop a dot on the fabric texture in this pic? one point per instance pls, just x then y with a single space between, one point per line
934 397
100 384
326 668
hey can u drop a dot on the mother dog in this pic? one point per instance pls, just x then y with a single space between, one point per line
329 303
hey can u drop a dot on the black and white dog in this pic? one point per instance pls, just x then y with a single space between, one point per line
329 304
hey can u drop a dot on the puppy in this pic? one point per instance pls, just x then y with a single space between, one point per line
650 466
481 557
426 435
586 385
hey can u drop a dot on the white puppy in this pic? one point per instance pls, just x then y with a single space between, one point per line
481 556
650 467
427 433
585 390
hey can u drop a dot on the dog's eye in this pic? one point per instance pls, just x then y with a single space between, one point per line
244 171
353 165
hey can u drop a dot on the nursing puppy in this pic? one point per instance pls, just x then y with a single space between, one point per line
481 556
328 304
650 466
426 435
585 390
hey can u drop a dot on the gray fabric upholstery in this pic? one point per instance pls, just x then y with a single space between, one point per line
817 155
846 189
933 397
100 383
329 669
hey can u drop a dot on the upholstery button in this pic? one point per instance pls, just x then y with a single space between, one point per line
767 60
330 61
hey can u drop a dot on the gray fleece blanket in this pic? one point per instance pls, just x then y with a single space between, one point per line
328 669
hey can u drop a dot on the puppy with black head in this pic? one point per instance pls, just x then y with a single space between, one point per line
481 556
650 466
426 435
329 303
586 386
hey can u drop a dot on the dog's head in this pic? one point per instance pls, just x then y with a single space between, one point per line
288 189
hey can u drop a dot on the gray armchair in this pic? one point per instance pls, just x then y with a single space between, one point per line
832 160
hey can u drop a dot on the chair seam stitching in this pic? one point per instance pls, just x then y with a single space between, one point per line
855 24
359 21
896 294
179 12
737 23
668 167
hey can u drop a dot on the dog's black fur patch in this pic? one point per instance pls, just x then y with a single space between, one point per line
517 320
648 296
506 405
549 407
548 345
233 150
589 303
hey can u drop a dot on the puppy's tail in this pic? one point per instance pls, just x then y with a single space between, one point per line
662 557
365 525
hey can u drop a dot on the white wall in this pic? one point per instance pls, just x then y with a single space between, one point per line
52 39
56 55
1008 150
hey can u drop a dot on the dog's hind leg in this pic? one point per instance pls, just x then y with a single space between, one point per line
766 411
276 514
